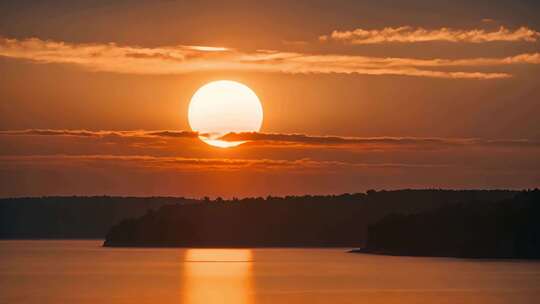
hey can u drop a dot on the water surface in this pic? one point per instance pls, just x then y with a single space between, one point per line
85 272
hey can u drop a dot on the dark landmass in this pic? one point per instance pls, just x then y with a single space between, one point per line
292 221
509 228
71 217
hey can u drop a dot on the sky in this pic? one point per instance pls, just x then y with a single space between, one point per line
356 95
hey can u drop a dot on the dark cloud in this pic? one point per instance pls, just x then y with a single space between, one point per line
284 139
279 138
86 133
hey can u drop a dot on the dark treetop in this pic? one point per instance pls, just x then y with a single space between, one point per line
71 217
288 221
509 228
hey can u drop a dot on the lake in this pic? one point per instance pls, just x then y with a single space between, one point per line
76 271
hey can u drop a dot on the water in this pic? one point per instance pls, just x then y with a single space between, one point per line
84 272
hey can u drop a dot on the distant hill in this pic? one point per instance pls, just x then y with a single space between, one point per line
509 228
71 217
290 221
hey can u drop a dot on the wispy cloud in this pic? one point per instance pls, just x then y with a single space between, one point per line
409 34
284 139
148 162
303 139
66 162
102 133
186 59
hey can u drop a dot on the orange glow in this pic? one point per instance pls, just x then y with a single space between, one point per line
217 276
221 107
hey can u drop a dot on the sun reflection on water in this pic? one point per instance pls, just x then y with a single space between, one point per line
217 276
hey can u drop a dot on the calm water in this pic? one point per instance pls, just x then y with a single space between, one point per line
84 272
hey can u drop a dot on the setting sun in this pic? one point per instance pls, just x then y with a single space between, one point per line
221 107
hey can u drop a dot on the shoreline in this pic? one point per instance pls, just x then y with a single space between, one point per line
395 254
224 246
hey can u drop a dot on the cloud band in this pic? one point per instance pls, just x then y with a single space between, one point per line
409 34
187 59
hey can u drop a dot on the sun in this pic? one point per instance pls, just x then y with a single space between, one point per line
221 107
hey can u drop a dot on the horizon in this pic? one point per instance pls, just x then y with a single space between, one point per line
266 197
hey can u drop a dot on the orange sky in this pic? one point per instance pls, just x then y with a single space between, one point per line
424 94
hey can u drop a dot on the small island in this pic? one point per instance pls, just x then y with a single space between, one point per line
506 229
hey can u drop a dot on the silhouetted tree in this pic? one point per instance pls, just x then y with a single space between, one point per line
506 229
332 220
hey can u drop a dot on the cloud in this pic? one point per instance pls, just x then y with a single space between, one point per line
104 141
409 34
419 142
186 59
147 162
278 139
67 162
87 133
142 175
